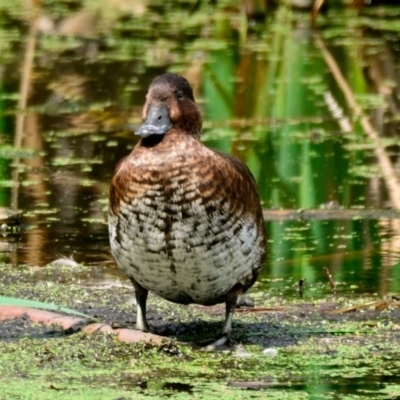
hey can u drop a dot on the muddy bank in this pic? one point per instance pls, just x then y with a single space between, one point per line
291 348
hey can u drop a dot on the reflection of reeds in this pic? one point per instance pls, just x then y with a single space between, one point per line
28 134
26 73
272 107
337 113
388 172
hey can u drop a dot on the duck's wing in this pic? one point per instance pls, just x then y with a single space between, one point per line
234 179
119 184
228 187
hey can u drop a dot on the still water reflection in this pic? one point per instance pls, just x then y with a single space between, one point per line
270 97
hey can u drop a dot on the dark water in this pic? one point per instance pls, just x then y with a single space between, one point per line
269 96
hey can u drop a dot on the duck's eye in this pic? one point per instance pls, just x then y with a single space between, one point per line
180 95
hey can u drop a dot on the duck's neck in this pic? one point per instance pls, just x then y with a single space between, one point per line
151 141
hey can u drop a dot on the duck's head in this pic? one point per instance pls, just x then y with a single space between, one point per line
170 106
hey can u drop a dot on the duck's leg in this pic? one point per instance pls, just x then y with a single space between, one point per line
230 305
141 299
221 341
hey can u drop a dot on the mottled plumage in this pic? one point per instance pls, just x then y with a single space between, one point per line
185 221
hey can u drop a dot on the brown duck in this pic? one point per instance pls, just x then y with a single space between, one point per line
185 221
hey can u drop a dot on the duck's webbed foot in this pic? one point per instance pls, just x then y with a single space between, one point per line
219 343
222 341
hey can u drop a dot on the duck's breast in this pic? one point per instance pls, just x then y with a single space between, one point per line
181 233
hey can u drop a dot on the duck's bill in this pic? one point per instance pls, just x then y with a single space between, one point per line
157 122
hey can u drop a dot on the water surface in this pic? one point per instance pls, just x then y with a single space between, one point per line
268 96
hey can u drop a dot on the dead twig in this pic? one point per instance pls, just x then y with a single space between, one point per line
317 6
331 281
378 305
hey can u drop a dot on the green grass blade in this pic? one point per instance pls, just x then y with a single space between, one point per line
11 301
